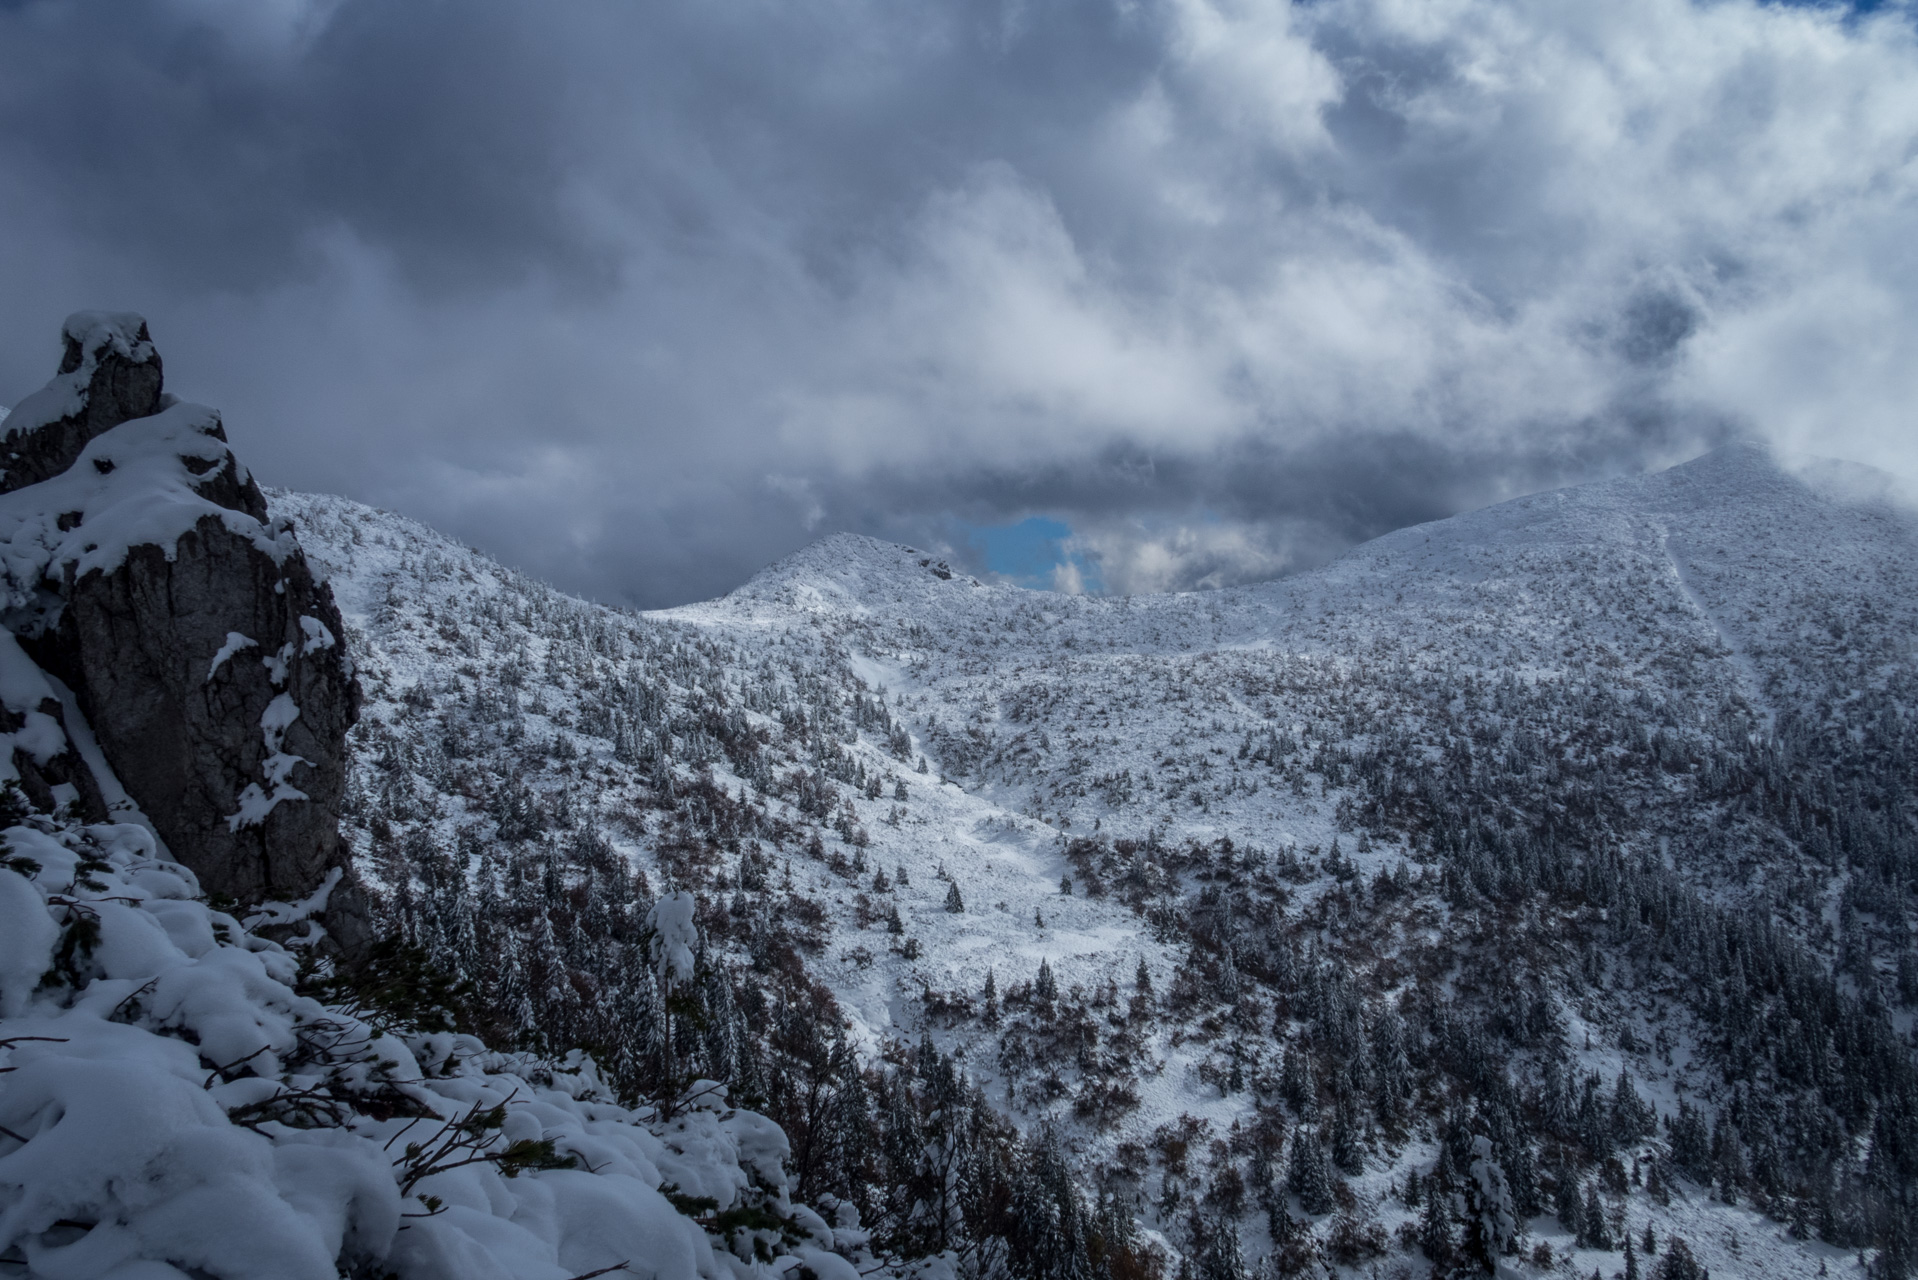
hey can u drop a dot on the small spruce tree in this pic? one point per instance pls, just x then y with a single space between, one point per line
1045 988
1309 1175
1678 1263
1595 1231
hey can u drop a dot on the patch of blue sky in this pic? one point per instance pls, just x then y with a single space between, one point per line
1851 8
1030 553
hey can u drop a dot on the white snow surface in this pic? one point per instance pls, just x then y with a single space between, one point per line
675 938
131 486
235 642
172 1106
24 691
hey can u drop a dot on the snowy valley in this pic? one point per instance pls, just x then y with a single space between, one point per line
1526 889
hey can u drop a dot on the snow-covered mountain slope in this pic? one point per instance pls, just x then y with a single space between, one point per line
1257 909
1720 589
1618 574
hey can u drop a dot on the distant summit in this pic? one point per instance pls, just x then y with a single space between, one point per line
847 570
850 570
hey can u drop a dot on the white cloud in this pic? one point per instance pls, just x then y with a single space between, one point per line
1261 77
1563 173
1058 259
1136 557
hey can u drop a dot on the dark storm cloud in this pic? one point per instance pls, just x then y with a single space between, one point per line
1261 508
466 140
216 156
639 297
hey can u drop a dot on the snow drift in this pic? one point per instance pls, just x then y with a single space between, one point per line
174 1104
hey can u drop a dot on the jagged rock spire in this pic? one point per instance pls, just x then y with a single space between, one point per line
109 374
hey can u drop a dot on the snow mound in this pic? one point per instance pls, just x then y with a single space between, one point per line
134 485
173 1104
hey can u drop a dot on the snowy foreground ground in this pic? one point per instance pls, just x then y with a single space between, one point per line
169 1094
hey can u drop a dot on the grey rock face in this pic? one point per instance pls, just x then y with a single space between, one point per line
109 374
239 766
208 661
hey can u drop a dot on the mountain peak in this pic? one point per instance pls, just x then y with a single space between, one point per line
854 571
1739 471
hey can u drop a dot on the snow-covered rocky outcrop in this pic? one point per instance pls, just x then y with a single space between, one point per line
267 1091
141 568
109 373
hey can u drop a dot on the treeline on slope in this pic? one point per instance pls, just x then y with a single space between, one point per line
1522 790
532 916
557 955
1820 1128
1516 830
1523 815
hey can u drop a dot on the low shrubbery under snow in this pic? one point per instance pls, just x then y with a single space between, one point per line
173 1101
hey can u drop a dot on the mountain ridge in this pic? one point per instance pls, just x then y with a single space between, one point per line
1728 469
1551 709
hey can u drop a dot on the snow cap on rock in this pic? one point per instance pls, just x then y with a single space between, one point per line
90 333
110 373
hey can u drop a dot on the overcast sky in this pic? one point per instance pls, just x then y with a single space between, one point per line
639 297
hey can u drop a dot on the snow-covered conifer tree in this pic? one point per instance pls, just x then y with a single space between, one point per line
1309 1176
